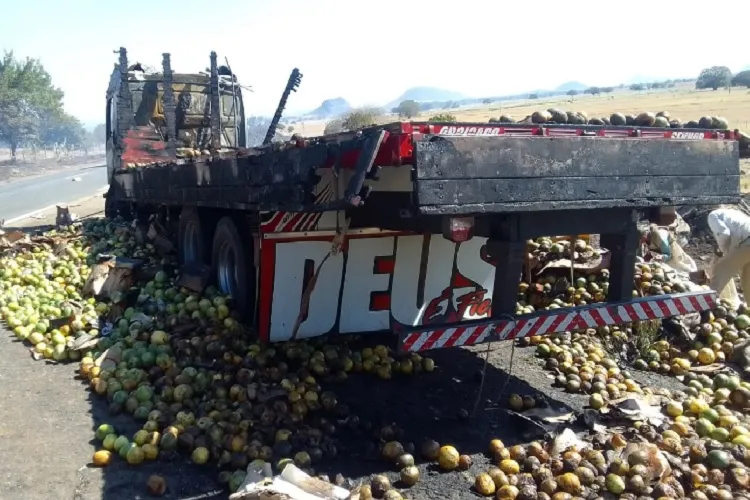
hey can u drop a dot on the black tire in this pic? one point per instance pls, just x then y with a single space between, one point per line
232 265
192 243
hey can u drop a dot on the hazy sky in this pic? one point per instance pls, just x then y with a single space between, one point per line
370 52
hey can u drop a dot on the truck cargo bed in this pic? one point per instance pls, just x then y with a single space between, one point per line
459 169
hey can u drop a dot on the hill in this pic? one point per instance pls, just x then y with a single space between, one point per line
330 108
567 86
426 94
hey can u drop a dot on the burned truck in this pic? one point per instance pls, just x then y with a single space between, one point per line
414 228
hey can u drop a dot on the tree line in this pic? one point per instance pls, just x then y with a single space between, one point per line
31 110
717 77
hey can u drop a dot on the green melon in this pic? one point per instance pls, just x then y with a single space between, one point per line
617 119
665 114
558 115
629 120
541 116
705 122
575 118
661 122
506 119
675 123
719 123
605 120
692 124
596 121
645 119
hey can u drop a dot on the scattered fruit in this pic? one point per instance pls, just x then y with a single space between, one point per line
102 458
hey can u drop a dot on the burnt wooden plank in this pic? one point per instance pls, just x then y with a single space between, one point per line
506 208
547 189
507 156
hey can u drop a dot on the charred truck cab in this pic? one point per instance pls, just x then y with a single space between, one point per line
143 105
419 229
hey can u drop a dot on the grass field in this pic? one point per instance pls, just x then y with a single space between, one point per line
684 103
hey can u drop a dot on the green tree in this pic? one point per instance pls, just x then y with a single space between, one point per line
61 130
407 109
741 79
361 118
26 94
443 118
713 78
572 92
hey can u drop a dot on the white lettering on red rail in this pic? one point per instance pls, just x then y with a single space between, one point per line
467 130
375 284
687 135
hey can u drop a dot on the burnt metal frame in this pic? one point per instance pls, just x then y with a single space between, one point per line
291 86
253 182
509 233
215 105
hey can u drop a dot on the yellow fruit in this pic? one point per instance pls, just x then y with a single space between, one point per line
706 356
674 409
102 458
510 466
484 484
448 458
200 455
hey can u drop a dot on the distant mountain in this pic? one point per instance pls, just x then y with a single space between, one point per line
330 108
567 86
746 68
426 94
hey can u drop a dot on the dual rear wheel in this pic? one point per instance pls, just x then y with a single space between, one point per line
225 244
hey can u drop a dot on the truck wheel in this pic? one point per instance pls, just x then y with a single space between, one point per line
233 266
191 243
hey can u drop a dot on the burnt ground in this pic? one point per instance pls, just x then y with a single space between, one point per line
48 418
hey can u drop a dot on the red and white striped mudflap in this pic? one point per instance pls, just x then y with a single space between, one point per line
556 320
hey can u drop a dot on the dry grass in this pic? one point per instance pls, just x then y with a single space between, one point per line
682 103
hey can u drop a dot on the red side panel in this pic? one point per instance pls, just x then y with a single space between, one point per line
144 145
398 147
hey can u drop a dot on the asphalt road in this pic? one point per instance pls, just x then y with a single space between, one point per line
25 196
